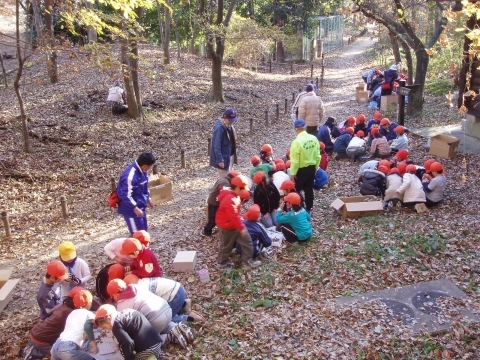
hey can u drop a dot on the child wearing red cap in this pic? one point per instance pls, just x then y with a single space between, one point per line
411 188
288 186
280 176
267 197
401 141
294 223
379 145
266 154
350 122
356 147
259 166
360 124
435 188
69 344
394 181
48 295
374 123
144 261
212 201
231 228
259 236
340 145
323 157
112 249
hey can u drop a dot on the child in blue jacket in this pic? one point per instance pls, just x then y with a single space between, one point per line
340 145
321 179
260 238
295 224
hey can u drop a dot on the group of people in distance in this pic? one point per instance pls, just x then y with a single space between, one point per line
382 83
356 138
144 310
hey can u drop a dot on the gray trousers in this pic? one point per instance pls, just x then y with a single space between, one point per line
228 238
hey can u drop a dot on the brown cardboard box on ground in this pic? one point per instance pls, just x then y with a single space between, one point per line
356 206
387 101
444 146
160 189
6 287
362 97
185 261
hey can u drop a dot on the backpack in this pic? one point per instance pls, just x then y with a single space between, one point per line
113 199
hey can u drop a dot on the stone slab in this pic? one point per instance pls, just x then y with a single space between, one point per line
414 304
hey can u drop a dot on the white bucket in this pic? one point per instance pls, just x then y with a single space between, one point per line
204 276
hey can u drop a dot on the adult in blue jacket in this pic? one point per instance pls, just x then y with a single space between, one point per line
223 153
133 193
260 238
341 144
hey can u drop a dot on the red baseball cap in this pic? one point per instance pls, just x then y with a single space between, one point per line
116 271
130 245
57 269
82 298
115 286
142 236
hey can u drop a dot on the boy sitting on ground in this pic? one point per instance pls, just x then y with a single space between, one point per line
259 236
379 147
401 142
435 188
295 223
341 144
356 147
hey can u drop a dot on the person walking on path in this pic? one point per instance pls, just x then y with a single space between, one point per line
133 193
310 108
305 160
224 148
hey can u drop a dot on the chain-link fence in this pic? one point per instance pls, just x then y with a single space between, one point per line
328 36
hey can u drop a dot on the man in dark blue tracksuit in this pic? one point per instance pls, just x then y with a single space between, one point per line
133 193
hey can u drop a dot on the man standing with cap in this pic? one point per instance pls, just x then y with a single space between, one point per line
305 160
224 148
310 108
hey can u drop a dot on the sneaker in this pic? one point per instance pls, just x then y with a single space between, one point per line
187 308
196 316
186 331
26 353
221 266
176 336
251 265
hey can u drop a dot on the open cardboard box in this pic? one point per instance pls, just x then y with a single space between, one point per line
357 206
160 189
387 101
6 287
444 146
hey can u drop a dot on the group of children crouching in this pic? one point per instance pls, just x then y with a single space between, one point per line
349 138
269 181
144 310
400 181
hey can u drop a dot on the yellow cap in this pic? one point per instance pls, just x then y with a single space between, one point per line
67 251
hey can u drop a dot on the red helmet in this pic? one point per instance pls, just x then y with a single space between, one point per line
351 120
280 166
427 165
276 161
402 167
400 130
267 149
383 169
255 160
233 173
411 168
436 166
377 115
253 213
384 163
394 171
360 133
240 181
287 185
322 145
361 118
374 131
258 177
350 130
385 121
245 195
293 198
402 154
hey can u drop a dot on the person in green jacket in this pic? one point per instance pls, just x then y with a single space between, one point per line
294 223
304 162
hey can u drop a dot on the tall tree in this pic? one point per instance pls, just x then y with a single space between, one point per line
52 68
215 23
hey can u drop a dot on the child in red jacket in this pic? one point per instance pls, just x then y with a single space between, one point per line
230 225
144 263
324 157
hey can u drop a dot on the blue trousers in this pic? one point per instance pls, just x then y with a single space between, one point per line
176 304
136 223
68 350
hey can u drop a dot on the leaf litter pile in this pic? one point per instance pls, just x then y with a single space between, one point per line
286 308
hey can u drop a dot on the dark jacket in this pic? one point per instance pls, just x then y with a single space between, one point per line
267 198
341 143
324 136
223 145
260 238
373 183
390 134
358 127
132 190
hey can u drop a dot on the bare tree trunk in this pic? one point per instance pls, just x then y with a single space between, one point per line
217 83
133 106
134 63
4 72
280 48
177 40
16 83
37 16
166 42
91 32
395 48
409 60
52 54
160 27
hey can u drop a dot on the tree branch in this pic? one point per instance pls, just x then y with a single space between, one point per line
229 12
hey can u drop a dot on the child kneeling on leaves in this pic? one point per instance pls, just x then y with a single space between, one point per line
294 224
412 188
394 181
435 188
260 238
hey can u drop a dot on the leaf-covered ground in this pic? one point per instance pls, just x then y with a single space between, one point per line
284 309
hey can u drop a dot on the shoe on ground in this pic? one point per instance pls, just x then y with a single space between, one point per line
187 308
196 316
206 234
177 337
221 266
252 264
186 331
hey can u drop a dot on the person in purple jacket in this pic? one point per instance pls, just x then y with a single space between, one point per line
133 193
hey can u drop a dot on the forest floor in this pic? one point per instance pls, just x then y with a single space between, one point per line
86 146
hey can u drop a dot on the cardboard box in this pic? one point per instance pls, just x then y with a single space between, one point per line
444 146
362 97
356 206
361 86
387 101
160 189
6 287
185 261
